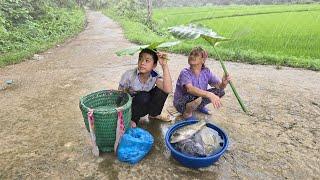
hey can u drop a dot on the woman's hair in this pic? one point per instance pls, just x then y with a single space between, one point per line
151 52
199 51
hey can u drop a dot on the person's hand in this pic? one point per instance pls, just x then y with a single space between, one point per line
128 90
163 58
215 100
225 79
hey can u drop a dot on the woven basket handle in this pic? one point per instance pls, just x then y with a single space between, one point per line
95 149
120 128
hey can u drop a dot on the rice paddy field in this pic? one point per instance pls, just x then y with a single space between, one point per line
287 35
280 32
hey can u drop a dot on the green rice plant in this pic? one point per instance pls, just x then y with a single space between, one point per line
277 34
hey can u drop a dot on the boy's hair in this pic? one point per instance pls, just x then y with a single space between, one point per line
199 50
152 53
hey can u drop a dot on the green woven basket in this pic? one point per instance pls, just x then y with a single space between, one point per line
104 104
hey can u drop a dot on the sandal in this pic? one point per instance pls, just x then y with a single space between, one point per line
204 110
190 118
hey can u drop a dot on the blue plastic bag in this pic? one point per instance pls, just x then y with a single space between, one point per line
134 145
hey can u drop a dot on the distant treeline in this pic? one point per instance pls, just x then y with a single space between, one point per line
174 3
178 3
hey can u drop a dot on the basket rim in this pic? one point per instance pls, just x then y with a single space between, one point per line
113 110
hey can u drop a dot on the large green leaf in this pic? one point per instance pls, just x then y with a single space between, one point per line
154 45
168 44
196 31
132 50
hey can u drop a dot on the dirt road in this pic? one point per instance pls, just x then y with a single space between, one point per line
42 132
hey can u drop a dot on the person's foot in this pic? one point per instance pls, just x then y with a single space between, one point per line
204 110
190 118
133 124
162 117
191 107
144 119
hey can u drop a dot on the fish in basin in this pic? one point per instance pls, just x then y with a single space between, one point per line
186 132
193 146
211 139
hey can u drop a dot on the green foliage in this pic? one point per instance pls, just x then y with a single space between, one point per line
65 3
97 4
135 31
3 30
30 26
132 9
17 12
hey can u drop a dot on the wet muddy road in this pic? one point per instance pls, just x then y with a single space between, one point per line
43 135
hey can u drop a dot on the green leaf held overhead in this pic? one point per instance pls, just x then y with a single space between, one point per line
156 45
196 31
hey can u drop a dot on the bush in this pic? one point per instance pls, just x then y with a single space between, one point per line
134 10
30 26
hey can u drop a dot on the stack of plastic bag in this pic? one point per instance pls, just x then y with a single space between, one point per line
134 145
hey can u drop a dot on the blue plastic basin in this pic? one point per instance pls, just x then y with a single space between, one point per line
191 161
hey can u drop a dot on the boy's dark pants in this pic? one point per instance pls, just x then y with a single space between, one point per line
144 103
